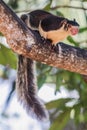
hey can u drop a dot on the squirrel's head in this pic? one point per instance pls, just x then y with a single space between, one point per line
71 26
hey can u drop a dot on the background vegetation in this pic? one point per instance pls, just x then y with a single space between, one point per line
68 113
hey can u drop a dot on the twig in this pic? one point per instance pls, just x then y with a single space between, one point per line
68 6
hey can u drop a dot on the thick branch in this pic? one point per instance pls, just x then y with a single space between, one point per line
23 41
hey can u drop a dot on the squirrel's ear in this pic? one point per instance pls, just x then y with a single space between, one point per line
64 22
74 20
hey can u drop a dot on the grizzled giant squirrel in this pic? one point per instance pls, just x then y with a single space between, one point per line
50 27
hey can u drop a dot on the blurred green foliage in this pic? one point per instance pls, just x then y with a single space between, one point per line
7 57
13 3
60 112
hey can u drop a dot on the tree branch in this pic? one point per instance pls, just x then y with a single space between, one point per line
68 6
57 7
23 41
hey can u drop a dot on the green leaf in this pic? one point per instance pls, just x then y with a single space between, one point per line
61 121
13 3
72 41
57 103
7 57
77 108
59 80
41 80
81 30
59 14
47 7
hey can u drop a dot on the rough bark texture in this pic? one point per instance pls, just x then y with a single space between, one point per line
23 41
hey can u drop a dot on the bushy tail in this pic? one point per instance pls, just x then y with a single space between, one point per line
26 88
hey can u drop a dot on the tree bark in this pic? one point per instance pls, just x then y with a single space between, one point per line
24 41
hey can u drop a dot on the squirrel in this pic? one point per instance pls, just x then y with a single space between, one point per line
50 27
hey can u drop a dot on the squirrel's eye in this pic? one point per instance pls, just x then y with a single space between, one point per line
69 26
